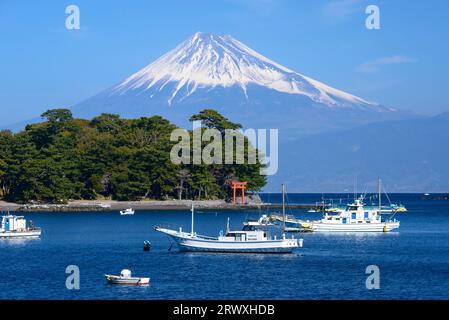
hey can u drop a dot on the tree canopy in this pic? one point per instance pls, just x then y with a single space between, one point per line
64 158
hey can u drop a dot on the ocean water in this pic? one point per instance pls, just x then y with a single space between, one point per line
413 262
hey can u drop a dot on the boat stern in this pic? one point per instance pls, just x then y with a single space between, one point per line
390 226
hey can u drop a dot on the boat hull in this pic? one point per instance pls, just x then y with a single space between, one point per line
194 244
126 281
365 227
20 234
183 246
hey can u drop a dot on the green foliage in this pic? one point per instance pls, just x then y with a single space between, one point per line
214 120
64 158
57 115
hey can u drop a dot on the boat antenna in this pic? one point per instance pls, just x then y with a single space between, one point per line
379 189
322 203
193 214
283 208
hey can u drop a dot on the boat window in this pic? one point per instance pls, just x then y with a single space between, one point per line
248 228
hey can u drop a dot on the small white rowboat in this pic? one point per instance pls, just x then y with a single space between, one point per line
127 212
125 278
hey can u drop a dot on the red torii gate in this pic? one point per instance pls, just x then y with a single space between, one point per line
238 185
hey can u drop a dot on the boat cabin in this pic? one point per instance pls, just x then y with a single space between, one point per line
354 213
244 235
13 223
253 230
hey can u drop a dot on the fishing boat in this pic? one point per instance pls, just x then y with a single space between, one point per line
356 218
253 238
127 212
263 221
17 227
292 224
126 278
289 222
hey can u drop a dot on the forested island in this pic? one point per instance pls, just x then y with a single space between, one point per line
64 158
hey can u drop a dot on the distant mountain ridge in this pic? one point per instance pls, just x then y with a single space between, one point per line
409 155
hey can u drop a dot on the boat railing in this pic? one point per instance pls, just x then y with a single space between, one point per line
206 237
173 226
176 227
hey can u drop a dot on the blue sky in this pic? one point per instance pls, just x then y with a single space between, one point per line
405 64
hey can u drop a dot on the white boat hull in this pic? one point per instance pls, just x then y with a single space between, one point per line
20 234
127 212
186 242
128 281
361 227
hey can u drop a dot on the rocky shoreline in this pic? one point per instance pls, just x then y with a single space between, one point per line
167 205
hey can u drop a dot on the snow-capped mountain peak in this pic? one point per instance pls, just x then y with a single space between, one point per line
209 61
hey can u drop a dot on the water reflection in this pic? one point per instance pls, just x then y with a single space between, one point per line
18 242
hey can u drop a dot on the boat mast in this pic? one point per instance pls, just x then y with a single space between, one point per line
193 213
283 208
380 194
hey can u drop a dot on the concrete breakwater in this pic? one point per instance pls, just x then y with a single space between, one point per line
167 205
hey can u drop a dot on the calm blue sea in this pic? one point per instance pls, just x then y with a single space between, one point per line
413 262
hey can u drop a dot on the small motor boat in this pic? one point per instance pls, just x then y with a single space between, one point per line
146 245
126 278
127 212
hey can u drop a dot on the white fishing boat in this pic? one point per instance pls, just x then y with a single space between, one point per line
292 224
126 278
253 238
289 222
127 212
263 221
355 218
17 227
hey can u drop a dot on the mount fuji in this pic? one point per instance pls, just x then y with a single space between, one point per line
219 72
